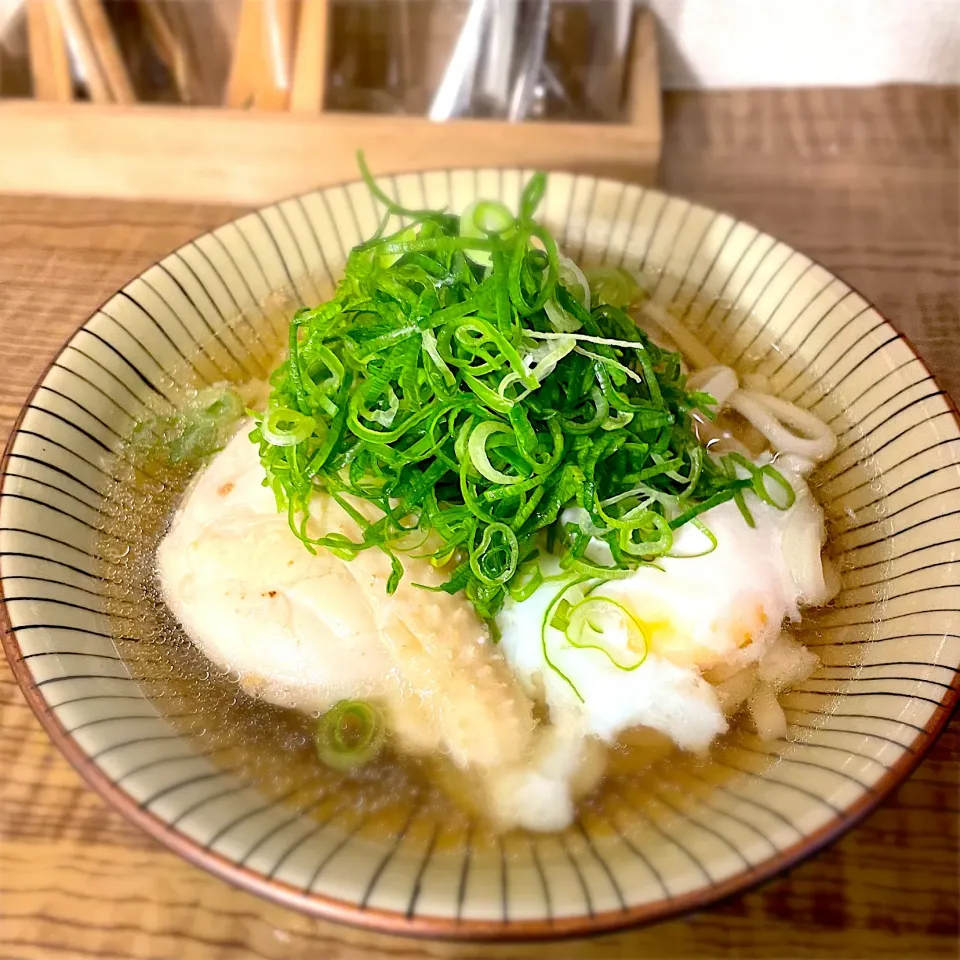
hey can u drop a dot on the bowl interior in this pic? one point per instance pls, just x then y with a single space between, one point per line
76 523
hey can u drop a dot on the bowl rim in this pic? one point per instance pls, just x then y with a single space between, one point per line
379 920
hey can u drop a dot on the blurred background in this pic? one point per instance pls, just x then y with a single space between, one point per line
516 59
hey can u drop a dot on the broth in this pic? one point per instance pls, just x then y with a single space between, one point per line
271 749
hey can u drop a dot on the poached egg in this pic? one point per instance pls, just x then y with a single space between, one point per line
692 614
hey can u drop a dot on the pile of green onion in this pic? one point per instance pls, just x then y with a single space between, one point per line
472 383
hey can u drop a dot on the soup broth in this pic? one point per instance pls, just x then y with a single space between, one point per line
272 749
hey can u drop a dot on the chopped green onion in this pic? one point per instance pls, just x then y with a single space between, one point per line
617 420
199 428
477 449
571 276
560 320
787 495
222 405
494 564
612 285
653 537
783 499
707 533
582 567
485 218
349 735
561 619
547 620
283 427
595 622
528 579
468 376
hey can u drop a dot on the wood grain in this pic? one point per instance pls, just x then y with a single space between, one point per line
257 157
108 54
865 182
49 58
94 77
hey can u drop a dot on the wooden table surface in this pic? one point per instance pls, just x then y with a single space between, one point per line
865 181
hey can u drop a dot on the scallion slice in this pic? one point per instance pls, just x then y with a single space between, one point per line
599 623
349 735
200 427
484 219
612 285
283 427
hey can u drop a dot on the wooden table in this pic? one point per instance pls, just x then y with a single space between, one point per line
867 182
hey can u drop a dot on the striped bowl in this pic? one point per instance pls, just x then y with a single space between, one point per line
696 830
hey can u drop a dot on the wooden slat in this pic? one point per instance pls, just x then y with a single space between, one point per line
229 156
310 58
170 48
260 71
94 77
49 59
104 44
206 32
273 92
642 100
247 60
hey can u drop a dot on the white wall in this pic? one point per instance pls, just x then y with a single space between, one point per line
760 43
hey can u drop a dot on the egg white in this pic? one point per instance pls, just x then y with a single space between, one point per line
696 612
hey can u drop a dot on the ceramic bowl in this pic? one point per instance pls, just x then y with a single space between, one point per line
697 830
